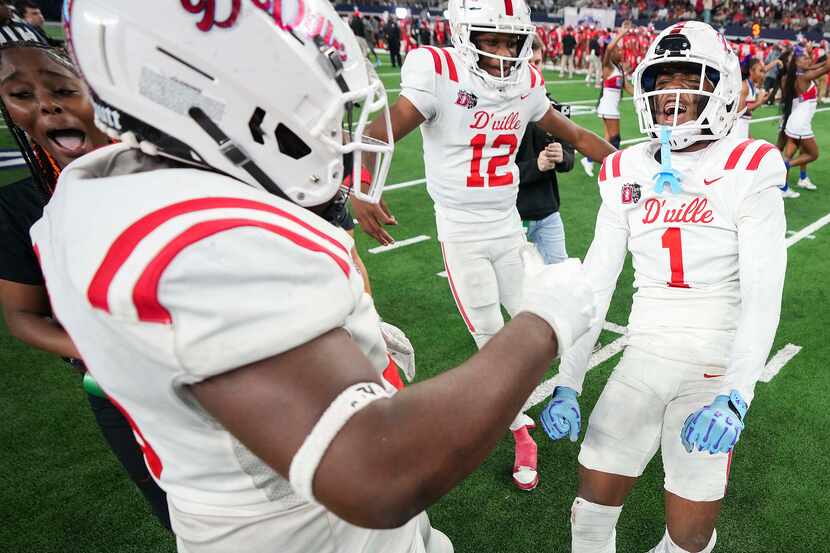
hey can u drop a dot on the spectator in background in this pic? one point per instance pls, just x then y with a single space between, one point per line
357 25
771 80
370 25
30 12
568 47
707 11
393 41
539 158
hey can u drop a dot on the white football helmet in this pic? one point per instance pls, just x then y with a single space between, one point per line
696 43
491 16
274 93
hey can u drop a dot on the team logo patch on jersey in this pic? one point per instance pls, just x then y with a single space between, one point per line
466 99
630 193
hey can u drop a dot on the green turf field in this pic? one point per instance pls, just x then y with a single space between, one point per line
62 489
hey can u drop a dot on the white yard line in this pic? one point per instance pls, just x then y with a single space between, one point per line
399 244
778 361
807 231
404 184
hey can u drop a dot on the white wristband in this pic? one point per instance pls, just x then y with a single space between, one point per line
308 457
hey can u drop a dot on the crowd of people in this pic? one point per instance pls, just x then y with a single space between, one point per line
317 451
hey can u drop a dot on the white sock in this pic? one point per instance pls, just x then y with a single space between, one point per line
519 421
593 527
667 545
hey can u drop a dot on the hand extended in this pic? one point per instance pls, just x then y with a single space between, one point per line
561 417
372 218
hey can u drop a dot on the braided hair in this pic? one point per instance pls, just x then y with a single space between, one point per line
44 169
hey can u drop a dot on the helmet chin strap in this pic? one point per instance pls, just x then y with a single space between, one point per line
234 153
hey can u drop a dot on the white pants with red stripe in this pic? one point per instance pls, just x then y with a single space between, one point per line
483 276
643 408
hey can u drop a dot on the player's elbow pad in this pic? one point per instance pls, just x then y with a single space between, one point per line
305 462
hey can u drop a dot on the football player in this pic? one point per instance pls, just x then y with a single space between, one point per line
472 103
227 319
702 216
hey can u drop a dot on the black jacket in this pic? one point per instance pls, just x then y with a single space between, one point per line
393 33
539 191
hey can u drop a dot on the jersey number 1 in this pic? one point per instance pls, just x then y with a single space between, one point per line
475 178
672 242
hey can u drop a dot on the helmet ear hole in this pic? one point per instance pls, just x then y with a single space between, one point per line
290 144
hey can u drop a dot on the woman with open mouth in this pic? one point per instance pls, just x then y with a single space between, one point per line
48 111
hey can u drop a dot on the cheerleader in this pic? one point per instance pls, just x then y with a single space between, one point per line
752 95
613 82
800 96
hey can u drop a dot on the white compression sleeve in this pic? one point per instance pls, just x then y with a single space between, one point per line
308 457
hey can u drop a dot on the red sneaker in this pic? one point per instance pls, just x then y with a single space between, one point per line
525 475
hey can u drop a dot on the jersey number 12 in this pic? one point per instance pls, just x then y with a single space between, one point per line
475 179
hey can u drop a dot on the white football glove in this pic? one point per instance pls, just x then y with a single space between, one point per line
400 349
559 294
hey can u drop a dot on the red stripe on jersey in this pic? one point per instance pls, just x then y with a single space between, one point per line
37 252
677 28
735 156
436 59
508 7
145 293
450 65
532 78
127 241
602 170
150 457
759 155
615 164
455 294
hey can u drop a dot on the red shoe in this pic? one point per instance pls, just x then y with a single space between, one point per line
525 475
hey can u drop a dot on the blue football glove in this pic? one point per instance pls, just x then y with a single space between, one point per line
715 428
561 417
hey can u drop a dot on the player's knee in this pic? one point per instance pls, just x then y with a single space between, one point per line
593 526
615 141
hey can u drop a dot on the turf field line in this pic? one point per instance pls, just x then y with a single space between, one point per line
404 184
399 244
545 389
781 358
442 274
808 230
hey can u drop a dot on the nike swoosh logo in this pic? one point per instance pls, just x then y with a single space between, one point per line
523 97
707 182
707 375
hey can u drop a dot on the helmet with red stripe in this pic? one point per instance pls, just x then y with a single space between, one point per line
259 90
689 47
492 16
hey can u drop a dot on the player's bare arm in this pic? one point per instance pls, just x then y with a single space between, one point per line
586 142
373 217
27 314
449 423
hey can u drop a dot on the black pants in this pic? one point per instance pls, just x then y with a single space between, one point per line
119 436
395 54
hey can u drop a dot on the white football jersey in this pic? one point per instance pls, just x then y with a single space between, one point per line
165 277
708 262
471 135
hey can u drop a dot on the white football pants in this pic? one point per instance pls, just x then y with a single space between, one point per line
483 276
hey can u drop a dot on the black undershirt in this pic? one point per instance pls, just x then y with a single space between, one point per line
21 205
